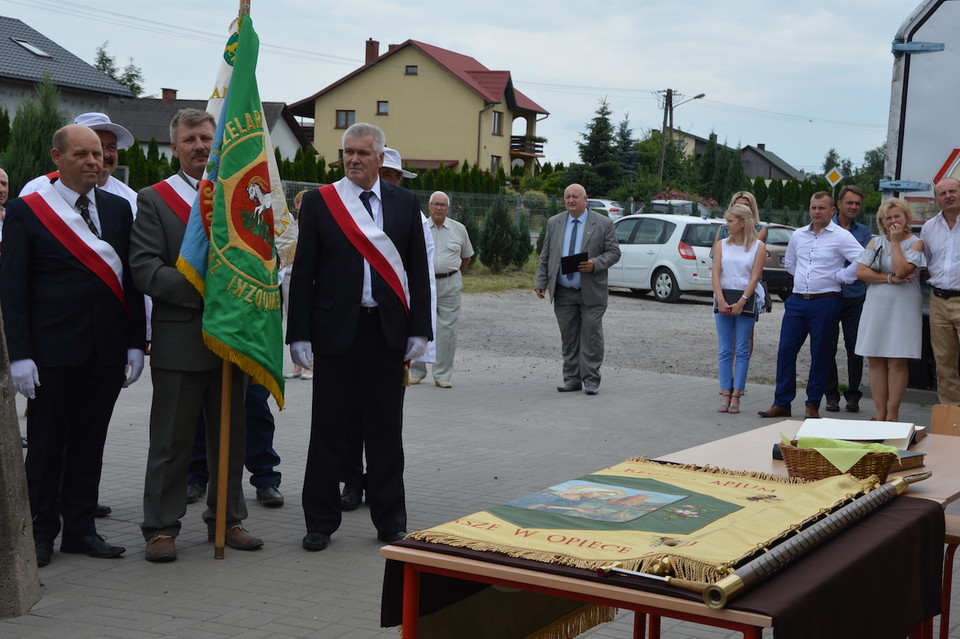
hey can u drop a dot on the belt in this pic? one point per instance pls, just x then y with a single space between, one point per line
575 289
369 309
440 277
944 293
814 296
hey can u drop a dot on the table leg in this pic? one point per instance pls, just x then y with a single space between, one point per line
639 621
411 601
655 626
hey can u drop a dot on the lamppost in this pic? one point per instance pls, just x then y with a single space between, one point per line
668 107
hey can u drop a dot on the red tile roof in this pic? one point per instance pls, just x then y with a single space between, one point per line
492 86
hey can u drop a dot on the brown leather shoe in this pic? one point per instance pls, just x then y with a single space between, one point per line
161 548
812 412
239 539
776 411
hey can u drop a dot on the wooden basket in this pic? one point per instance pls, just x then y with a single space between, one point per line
807 463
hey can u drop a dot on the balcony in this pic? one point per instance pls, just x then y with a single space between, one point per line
523 146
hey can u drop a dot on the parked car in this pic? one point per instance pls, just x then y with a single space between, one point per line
613 210
775 276
668 254
680 207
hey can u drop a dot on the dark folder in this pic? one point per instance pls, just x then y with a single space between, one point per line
571 263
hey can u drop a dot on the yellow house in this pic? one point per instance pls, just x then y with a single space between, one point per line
437 107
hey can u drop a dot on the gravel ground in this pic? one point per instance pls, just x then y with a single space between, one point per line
639 333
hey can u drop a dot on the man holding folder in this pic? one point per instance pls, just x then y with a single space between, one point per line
579 247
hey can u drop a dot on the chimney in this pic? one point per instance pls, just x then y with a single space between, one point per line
392 47
762 147
373 50
168 95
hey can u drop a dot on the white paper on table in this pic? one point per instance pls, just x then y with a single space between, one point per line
890 433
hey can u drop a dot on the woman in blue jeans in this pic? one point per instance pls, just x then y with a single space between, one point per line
737 265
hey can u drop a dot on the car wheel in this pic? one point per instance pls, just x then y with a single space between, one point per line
783 295
665 287
640 292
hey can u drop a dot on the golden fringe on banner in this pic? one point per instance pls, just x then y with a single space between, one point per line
576 623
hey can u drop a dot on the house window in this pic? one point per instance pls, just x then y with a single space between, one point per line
410 69
35 50
383 107
495 163
345 118
498 123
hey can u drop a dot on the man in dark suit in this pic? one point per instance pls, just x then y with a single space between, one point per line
580 297
360 301
74 322
186 374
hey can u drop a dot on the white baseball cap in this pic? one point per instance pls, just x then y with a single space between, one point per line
391 160
100 122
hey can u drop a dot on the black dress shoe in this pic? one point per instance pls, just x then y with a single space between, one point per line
44 552
350 497
591 390
853 406
314 541
102 511
392 537
195 492
833 405
269 495
92 545
569 388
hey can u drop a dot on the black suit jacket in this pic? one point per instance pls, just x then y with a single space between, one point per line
327 277
55 310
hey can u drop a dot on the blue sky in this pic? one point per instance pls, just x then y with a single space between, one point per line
799 77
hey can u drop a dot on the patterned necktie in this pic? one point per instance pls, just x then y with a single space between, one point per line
365 198
83 203
572 249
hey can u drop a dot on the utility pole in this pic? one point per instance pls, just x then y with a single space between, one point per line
668 107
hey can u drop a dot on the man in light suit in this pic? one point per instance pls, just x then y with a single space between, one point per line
74 324
187 376
580 297
360 301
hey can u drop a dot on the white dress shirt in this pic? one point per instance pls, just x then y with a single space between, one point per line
941 245
816 259
366 296
70 197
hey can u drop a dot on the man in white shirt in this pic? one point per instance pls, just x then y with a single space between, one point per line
941 242
815 257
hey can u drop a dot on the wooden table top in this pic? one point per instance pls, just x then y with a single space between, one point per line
753 450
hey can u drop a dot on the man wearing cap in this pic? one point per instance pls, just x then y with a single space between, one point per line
352 475
74 325
113 137
452 255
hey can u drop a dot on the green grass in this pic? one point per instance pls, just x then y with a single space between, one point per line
479 279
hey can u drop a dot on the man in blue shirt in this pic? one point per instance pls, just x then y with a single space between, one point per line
849 204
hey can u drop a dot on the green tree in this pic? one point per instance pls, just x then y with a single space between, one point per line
833 161
775 194
498 237
760 192
130 76
37 119
4 129
521 245
791 195
627 147
598 152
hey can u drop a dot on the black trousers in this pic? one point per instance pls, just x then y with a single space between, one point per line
67 427
361 389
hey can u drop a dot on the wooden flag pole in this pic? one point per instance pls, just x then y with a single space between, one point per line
226 396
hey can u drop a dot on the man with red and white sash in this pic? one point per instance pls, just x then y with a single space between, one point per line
360 305
186 374
74 325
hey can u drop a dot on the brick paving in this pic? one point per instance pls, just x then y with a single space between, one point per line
501 432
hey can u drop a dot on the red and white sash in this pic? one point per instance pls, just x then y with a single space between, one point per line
72 231
178 195
372 243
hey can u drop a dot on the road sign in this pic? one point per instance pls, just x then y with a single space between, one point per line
833 177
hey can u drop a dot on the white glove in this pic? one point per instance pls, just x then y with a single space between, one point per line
302 354
135 363
416 346
25 376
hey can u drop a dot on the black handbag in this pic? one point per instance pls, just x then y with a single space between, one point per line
731 295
